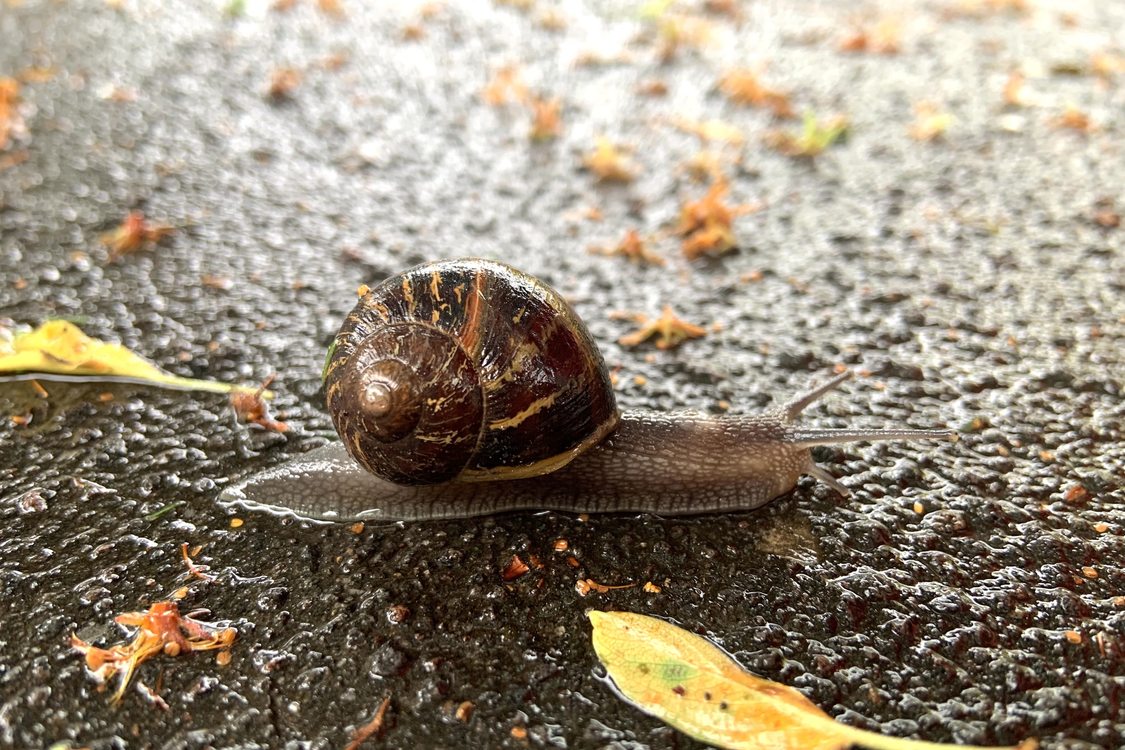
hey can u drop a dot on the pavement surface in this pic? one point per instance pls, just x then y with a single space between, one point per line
969 591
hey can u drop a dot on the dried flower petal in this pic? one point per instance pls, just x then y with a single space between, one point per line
713 239
11 121
930 122
506 85
193 569
546 118
251 408
159 630
743 87
633 247
283 82
133 234
609 162
712 130
884 38
677 31
333 8
668 330
707 223
1107 65
1014 94
585 586
1074 119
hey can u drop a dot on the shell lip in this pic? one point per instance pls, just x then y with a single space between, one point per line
545 465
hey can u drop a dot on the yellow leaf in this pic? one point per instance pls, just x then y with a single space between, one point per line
58 347
696 687
711 130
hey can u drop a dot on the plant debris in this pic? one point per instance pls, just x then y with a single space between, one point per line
714 239
707 224
596 58
705 165
633 247
371 728
282 83
1073 118
1014 93
668 330
676 31
464 711
609 162
552 19
814 138
743 86
58 347
1107 65
215 281
546 118
196 571
981 8
11 121
586 585
7 161
38 74
684 680
711 130
163 510
331 8
133 234
514 569
930 122
1105 215
883 38
159 630
505 86
252 409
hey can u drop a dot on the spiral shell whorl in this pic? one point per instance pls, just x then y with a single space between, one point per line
406 401
466 369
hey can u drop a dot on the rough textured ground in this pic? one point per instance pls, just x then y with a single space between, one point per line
969 591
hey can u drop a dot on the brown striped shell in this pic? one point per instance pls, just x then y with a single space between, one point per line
466 370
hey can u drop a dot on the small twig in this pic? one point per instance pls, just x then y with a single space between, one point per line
371 728
191 566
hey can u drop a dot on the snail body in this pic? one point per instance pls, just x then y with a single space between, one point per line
463 388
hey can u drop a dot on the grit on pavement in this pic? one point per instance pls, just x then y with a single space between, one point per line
967 591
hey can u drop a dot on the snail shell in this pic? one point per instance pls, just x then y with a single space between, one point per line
466 370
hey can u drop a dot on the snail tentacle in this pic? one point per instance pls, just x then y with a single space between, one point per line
792 408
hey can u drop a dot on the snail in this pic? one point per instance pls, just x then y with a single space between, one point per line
464 387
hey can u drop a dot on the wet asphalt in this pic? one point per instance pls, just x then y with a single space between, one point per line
969 591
